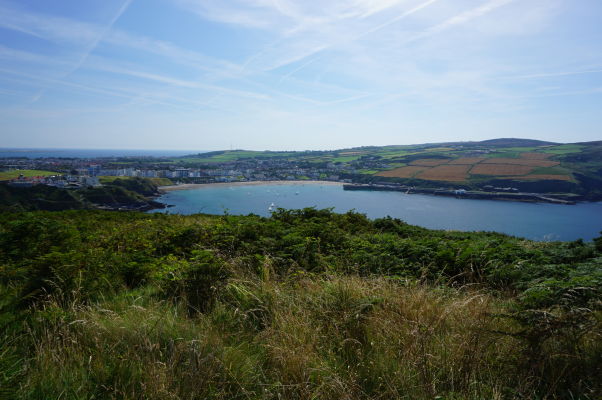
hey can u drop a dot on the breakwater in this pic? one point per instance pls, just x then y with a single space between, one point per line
460 193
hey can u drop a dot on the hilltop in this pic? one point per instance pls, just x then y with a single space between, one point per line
307 304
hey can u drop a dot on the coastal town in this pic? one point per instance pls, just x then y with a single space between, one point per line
501 169
74 173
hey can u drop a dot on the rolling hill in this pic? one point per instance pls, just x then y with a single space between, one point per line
525 164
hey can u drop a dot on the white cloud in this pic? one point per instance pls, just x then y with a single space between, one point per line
47 27
461 18
334 59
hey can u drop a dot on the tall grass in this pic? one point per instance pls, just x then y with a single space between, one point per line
310 338
302 305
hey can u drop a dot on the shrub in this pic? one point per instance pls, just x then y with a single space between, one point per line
598 243
197 281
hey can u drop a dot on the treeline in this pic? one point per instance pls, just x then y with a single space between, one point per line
305 304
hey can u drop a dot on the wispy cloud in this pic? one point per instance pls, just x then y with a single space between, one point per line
461 18
105 30
47 27
82 38
89 48
217 67
178 82
398 62
555 74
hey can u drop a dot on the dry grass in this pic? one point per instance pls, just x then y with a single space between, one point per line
451 173
329 338
429 162
466 160
500 169
401 172
521 161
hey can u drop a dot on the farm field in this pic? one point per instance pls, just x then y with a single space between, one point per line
564 149
466 160
449 173
500 169
429 162
535 156
521 161
402 172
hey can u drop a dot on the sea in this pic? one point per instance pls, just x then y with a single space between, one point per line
536 221
91 153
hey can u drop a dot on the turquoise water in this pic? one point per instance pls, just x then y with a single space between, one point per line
536 221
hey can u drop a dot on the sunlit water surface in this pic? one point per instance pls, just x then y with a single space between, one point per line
538 221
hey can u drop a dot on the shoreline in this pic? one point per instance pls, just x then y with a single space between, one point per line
189 186
465 194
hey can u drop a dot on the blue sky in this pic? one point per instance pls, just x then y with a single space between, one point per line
297 74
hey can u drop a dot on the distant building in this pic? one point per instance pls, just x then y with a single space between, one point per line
181 173
90 181
93 170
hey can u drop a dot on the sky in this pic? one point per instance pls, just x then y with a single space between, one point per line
297 74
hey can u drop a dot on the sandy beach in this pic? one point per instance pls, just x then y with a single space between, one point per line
188 186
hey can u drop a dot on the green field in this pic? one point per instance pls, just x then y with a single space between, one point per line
522 149
503 154
233 155
8 175
156 181
344 158
564 149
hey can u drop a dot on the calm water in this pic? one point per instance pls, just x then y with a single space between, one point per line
91 153
532 220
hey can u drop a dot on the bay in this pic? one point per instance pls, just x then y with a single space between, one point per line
537 221
90 153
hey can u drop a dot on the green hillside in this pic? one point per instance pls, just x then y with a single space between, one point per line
8 175
306 304
119 193
528 165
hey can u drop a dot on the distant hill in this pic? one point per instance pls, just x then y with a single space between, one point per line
524 164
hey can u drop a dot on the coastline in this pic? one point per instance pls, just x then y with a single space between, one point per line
465 194
189 186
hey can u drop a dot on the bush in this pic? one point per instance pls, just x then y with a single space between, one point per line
197 281
598 243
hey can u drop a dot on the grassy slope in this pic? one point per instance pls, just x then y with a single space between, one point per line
119 192
8 175
156 181
304 305
397 155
